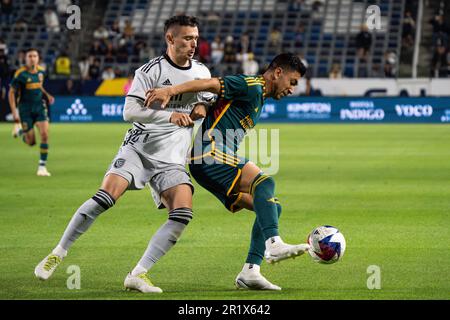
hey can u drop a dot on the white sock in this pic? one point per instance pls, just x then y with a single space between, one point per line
138 270
59 251
250 267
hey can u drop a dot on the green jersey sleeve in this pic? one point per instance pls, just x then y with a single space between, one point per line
232 87
16 82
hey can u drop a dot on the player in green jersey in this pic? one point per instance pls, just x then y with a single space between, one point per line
27 105
235 181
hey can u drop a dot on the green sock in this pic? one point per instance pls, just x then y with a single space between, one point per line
265 205
44 154
257 242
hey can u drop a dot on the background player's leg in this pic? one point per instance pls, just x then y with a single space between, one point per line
43 127
178 200
29 137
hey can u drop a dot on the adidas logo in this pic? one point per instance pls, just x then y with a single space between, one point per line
272 240
167 83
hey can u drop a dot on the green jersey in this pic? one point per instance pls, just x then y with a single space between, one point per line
237 110
28 85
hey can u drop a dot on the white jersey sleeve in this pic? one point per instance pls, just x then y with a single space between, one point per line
206 97
134 110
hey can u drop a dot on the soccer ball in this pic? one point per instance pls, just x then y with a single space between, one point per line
327 244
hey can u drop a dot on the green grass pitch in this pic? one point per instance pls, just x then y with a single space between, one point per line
387 187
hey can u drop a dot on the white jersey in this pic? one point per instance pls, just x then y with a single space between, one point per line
152 135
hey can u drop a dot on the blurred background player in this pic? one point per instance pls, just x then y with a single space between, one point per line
237 182
154 151
26 95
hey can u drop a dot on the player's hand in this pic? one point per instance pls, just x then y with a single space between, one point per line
181 119
16 117
160 94
199 112
51 99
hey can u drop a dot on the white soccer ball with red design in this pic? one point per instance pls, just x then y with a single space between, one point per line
327 244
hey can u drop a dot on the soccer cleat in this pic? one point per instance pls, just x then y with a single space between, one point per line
141 283
249 280
46 267
42 172
17 130
277 250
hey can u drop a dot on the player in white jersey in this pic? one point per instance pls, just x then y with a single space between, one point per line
154 151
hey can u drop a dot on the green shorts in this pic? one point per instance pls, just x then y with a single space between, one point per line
218 173
32 113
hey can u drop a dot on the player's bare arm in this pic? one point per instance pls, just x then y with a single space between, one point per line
50 98
187 120
164 94
199 111
12 104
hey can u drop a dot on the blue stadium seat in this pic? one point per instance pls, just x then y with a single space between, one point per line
349 71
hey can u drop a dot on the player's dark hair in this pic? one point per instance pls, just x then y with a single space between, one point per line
32 49
288 61
180 20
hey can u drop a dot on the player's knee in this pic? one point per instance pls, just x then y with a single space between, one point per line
263 186
182 215
115 185
44 137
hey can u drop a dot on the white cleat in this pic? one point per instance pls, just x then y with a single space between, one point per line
42 172
46 267
141 283
277 250
253 280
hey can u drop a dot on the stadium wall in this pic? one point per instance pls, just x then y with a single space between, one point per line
322 87
292 109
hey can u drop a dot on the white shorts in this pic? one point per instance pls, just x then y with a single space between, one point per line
139 170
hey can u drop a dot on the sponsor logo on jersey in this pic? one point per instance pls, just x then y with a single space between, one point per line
167 83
